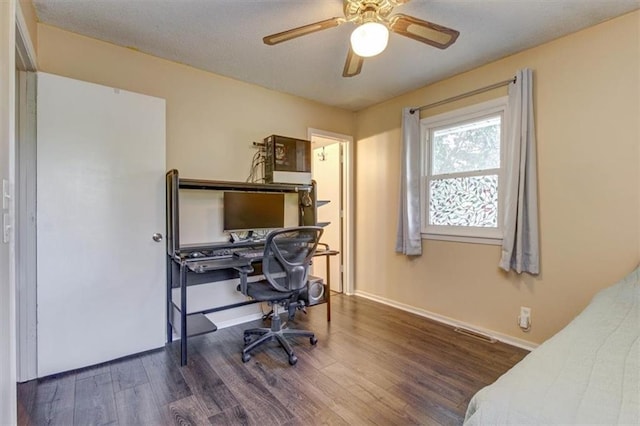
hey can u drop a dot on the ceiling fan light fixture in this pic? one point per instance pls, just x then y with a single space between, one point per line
373 19
369 39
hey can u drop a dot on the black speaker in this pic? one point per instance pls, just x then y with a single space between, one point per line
315 293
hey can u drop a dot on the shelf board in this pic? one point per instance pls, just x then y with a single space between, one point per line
321 203
197 324
239 186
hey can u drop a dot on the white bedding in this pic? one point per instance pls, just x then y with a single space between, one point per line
588 373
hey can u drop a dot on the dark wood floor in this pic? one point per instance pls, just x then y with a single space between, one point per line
372 365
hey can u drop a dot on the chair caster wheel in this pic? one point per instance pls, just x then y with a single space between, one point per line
313 340
293 359
247 357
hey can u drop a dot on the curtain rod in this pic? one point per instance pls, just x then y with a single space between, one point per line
464 95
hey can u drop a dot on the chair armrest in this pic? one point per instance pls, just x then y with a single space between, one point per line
243 271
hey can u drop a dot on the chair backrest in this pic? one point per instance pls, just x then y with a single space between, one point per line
287 255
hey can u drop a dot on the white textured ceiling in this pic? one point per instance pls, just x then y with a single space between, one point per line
225 37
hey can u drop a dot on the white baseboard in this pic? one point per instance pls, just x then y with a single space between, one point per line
504 338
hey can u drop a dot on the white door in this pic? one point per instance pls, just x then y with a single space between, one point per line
100 198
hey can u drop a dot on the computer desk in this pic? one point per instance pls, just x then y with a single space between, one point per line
191 270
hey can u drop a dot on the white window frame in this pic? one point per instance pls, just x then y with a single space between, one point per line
469 234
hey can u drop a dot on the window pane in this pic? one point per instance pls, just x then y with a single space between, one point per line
467 147
466 201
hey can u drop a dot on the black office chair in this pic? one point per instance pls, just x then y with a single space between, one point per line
285 265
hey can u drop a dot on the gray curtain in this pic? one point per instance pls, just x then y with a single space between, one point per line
520 244
409 240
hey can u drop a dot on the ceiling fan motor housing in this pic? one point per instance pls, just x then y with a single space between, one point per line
361 11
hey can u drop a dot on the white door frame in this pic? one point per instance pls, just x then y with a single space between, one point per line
7 174
347 204
25 204
25 52
13 38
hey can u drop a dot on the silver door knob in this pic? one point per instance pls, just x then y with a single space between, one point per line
157 237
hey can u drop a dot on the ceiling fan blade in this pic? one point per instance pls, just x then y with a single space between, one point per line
423 31
353 65
300 31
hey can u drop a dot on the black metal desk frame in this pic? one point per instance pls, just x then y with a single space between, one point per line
193 271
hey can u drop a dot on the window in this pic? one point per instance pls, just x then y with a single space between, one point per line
463 154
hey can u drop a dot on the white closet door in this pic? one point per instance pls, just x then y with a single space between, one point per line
100 198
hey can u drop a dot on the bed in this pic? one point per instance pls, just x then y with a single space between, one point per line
588 373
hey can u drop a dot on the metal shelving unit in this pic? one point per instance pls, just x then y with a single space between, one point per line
184 270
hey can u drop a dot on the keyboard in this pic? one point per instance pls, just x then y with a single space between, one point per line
222 253
249 253
210 254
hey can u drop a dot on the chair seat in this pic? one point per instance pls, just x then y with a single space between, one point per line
262 290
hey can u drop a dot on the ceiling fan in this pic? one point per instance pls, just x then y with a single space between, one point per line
374 20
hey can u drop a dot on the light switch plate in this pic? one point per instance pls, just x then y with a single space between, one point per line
6 194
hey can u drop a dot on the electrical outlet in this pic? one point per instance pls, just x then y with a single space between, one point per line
524 320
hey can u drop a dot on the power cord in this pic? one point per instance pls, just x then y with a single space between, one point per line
257 160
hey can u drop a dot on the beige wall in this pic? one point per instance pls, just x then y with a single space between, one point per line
587 113
211 120
587 94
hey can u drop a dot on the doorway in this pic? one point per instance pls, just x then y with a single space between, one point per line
332 171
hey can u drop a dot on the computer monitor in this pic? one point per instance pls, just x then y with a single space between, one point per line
246 211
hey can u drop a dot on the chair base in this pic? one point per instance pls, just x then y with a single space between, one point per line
275 332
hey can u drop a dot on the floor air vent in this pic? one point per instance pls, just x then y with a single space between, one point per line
475 334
